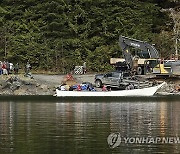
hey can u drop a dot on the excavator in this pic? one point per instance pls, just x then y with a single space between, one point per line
146 60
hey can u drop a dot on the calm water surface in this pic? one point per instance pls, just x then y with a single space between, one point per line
48 125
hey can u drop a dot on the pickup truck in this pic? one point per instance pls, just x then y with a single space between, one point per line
120 80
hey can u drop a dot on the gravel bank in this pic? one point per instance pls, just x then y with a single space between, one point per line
52 80
40 84
45 84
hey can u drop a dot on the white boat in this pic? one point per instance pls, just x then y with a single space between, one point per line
150 91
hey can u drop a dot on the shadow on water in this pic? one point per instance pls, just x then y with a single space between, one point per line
48 98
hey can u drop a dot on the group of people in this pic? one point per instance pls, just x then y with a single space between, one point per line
7 68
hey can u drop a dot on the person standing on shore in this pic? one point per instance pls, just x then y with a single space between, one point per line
27 69
4 68
16 68
7 67
84 68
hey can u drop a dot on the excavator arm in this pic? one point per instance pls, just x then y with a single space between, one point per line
126 42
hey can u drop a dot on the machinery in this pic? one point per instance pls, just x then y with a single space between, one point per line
146 60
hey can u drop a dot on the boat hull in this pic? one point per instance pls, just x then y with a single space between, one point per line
150 91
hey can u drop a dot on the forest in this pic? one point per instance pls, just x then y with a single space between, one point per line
56 35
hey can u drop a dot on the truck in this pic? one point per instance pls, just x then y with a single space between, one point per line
120 80
146 60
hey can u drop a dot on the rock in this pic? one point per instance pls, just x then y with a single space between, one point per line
37 84
6 85
26 82
177 87
44 87
6 92
20 92
24 86
15 85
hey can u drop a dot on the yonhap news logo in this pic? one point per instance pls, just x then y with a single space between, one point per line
115 139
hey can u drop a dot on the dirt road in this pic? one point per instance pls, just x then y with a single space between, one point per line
54 80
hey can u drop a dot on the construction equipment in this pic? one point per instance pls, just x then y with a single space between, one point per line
147 60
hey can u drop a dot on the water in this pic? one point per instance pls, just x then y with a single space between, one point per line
53 125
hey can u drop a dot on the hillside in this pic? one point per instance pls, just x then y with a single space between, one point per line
56 35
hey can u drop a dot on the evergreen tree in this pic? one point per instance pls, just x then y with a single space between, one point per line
56 35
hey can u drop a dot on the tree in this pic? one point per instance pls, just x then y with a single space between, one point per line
174 13
57 34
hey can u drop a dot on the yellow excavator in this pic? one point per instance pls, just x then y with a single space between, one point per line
147 61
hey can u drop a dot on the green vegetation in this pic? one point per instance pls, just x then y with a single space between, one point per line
58 34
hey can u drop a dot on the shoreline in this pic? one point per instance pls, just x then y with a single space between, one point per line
45 84
122 99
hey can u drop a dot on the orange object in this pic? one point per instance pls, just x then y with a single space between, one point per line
69 77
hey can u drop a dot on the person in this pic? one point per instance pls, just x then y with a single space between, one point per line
71 88
4 68
8 67
78 88
104 88
11 67
88 88
84 68
63 88
27 69
16 68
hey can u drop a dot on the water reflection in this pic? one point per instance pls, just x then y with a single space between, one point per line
57 127
163 114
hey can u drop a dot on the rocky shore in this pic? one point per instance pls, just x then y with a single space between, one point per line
37 85
46 84
19 85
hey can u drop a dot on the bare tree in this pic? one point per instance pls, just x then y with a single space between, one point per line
175 15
